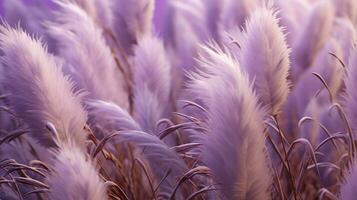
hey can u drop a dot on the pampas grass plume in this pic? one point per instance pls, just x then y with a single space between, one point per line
351 88
39 91
75 178
265 56
226 91
88 58
317 28
152 82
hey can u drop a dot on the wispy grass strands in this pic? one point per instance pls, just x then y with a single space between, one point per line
40 87
227 92
88 58
265 56
152 83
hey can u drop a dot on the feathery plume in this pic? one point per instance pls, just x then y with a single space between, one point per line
99 10
346 9
351 88
75 178
88 59
148 110
234 147
87 5
40 93
233 40
161 159
291 15
213 14
25 151
346 34
132 20
150 71
104 13
235 12
265 56
312 37
110 117
191 13
29 17
151 77
184 22
309 85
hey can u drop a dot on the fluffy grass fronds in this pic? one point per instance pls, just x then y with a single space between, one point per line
292 14
40 93
152 82
29 17
87 57
265 56
346 9
351 88
226 91
132 20
346 34
109 117
235 13
99 10
75 178
127 101
184 16
317 28
327 67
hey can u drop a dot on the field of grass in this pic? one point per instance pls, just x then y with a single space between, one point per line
209 99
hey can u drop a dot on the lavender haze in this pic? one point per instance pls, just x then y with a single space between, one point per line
317 26
178 99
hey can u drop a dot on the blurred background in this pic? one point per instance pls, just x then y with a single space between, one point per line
6 11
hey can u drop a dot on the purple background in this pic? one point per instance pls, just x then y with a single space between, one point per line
159 9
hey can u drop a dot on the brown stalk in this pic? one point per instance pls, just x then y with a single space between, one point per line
291 177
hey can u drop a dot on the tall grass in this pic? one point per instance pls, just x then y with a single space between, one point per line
229 99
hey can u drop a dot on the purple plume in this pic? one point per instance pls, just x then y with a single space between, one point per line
346 9
234 146
132 20
346 34
40 93
99 10
309 85
75 178
106 117
88 59
152 82
265 56
351 88
292 14
235 12
317 28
